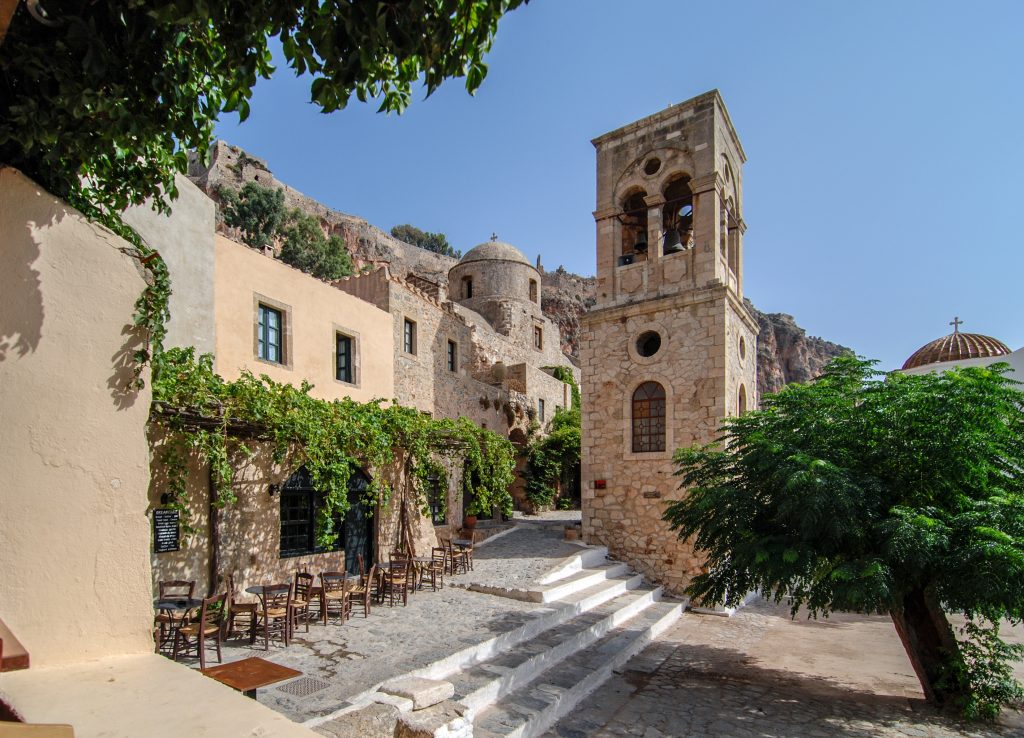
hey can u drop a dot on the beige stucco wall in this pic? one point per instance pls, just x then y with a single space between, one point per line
75 580
185 242
314 312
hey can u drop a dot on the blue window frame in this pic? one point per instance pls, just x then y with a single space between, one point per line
268 344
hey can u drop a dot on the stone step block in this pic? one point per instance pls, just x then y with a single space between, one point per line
483 685
559 612
533 708
422 692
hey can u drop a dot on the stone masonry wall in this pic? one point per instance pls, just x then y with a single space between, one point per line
626 515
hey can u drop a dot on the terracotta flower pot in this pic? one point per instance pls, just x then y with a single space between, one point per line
469 522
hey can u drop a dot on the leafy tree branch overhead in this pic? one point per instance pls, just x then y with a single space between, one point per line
897 494
100 100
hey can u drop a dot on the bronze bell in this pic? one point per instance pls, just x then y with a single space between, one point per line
673 245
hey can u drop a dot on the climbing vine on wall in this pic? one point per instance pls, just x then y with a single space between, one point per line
216 419
551 458
151 308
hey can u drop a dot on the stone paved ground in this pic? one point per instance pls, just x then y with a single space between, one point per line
520 557
760 675
351 658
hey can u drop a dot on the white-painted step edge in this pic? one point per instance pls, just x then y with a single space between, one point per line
550 593
557 614
529 670
726 612
566 700
588 558
573 585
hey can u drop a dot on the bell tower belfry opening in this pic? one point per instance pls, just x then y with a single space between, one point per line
669 350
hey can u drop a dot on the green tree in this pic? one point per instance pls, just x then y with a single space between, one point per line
888 494
307 248
552 459
436 242
256 210
99 101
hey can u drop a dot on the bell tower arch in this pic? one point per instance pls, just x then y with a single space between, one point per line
669 349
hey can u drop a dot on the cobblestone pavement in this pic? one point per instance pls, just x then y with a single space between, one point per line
760 675
339 662
519 558
549 517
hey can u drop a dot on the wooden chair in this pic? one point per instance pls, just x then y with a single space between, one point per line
437 566
300 601
362 591
277 613
468 551
336 595
395 581
209 625
167 622
235 608
458 562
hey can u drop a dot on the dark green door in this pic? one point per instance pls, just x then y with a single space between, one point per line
357 528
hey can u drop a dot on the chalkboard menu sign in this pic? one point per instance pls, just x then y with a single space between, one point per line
165 530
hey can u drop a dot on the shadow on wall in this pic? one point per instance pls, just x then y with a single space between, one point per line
21 319
23 314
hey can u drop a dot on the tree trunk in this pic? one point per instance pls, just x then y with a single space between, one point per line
928 640
214 537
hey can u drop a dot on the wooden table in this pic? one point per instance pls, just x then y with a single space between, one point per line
250 674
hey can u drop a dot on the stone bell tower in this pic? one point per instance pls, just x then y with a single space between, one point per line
669 350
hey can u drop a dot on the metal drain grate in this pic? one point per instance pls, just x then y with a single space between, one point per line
304 687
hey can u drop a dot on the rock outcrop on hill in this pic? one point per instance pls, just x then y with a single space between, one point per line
785 353
231 167
564 298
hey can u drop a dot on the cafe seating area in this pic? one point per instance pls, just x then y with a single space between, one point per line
271 614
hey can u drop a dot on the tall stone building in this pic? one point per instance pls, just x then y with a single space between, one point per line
669 349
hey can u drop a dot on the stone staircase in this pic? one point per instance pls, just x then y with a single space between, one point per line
602 614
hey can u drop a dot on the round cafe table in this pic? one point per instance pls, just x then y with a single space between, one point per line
176 609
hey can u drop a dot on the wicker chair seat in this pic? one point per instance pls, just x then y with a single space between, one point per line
193 630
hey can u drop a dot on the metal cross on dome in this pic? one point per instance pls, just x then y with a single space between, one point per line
956 323
494 236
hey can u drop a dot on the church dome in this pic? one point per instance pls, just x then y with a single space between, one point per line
956 347
495 251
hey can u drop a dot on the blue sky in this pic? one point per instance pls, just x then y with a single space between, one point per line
883 187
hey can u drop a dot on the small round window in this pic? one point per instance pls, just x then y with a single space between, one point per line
651 166
743 348
648 343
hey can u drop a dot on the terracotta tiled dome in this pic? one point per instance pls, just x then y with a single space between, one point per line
956 346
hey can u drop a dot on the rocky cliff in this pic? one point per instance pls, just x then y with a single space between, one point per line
785 353
231 167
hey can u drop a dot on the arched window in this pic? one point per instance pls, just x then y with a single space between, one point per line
467 288
533 290
634 228
677 212
649 418
742 400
